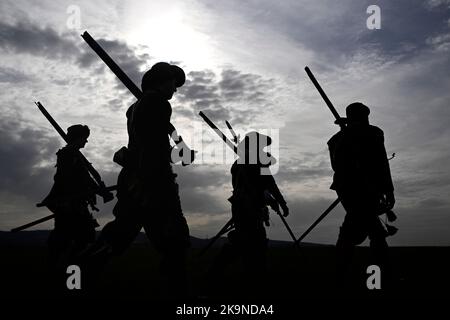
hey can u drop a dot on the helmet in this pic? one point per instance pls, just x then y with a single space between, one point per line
161 72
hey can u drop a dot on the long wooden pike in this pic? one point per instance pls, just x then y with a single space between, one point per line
323 215
219 133
324 97
49 217
341 124
28 225
112 65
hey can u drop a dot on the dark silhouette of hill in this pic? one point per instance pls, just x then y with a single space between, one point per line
421 272
39 238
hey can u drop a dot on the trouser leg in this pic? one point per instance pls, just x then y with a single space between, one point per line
354 230
226 256
253 248
344 255
380 252
215 277
173 269
167 229
115 237
58 246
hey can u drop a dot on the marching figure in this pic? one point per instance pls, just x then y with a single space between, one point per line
147 191
72 192
362 180
253 191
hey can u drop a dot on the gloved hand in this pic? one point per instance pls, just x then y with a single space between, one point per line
391 216
265 216
390 200
107 196
285 209
104 193
121 156
341 121
93 207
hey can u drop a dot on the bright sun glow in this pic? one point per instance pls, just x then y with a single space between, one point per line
166 30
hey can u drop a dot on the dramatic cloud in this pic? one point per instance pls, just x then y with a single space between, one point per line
24 151
244 63
124 55
222 96
10 75
28 38
25 37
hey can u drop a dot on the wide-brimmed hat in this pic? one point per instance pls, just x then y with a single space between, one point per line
250 146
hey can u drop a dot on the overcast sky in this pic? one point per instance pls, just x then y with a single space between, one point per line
244 62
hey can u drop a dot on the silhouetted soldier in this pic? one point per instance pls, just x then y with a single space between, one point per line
147 191
363 182
72 192
252 193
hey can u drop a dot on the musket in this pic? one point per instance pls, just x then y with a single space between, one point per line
49 217
127 82
234 148
107 196
226 228
112 65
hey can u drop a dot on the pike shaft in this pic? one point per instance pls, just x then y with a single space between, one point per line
323 215
322 94
61 132
112 65
25 226
219 133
